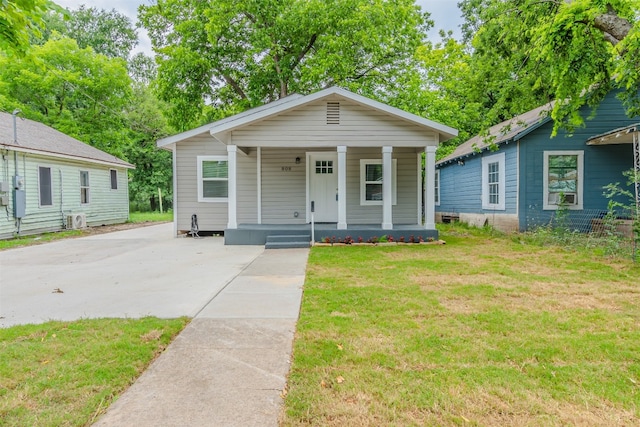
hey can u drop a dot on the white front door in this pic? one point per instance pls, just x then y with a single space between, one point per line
323 186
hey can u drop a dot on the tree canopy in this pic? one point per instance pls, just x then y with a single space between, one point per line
19 19
575 51
234 54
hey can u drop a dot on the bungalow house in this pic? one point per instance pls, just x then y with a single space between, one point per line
329 164
50 181
528 175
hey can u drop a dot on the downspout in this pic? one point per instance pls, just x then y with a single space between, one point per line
15 164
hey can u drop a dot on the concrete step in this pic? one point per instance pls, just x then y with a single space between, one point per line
286 245
288 238
286 241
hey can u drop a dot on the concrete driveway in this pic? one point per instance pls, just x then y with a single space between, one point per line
133 273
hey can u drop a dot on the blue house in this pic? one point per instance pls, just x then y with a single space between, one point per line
528 175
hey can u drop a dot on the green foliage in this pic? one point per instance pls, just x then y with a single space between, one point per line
528 52
19 19
107 32
238 54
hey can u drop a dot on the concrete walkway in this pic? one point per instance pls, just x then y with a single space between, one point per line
229 365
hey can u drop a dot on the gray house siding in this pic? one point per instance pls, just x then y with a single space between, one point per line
211 216
106 206
307 126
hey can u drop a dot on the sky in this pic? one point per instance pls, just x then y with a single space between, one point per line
444 13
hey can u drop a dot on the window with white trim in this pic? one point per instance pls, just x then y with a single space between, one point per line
113 175
44 186
371 177
84 187
213 179
437 187
563 179
493 182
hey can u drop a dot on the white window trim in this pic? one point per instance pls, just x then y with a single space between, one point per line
486 161
88 187
200 185
39 187
545 179
110 182
394 181
437 192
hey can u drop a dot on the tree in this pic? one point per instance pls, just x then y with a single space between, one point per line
107 32
574 51
18 20
222 57
77 91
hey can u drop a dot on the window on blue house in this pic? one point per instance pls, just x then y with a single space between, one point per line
493 182
563 179
437 185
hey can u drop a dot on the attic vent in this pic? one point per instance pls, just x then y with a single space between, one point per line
333 113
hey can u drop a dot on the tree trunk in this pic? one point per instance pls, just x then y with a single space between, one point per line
614 28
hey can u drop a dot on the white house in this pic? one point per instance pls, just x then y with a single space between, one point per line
346 163
50 181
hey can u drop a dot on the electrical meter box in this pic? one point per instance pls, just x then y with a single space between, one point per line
18 182
19 203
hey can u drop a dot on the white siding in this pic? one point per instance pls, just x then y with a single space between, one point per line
359 127
106 206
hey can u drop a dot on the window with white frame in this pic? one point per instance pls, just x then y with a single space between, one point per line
493 182
44 186
563 179
437 187
113 175
371 177
84 187
213 179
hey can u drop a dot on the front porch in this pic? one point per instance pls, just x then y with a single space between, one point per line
256 234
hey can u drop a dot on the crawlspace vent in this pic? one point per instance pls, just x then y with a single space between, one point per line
333 113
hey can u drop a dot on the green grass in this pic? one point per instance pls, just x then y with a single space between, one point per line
67 373
150 217
37 239
485 330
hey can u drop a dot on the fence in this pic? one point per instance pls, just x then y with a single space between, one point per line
614 233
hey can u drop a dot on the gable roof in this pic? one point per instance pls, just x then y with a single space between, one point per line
505 132
35 137
293 101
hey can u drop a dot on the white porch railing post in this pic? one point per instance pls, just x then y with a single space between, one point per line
387 187
232 151
342 187
430 188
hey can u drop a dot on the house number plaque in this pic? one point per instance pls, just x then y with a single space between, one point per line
286 168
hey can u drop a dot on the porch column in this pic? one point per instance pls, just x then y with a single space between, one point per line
387 186
259 182
430 188
342 187
232 151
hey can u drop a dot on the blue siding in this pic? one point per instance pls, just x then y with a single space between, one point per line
461 186
602 164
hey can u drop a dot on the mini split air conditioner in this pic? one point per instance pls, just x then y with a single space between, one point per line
76 221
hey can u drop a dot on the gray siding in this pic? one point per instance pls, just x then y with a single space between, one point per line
283 191
359 127
211 216
106 206
406 210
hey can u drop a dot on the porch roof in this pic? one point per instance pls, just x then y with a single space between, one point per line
622 135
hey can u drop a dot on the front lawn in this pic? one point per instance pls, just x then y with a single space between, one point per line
486 330
68 373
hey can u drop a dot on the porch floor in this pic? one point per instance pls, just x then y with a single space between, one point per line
256 234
